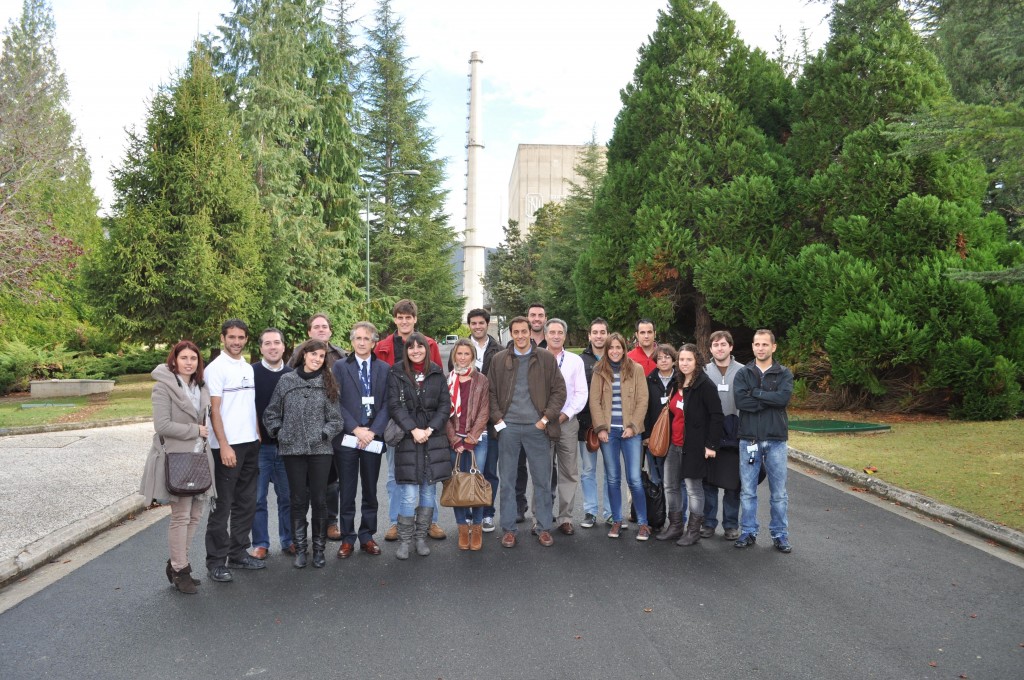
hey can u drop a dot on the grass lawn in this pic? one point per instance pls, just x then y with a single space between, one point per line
978 467
131 397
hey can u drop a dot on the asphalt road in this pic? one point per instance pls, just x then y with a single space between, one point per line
865 594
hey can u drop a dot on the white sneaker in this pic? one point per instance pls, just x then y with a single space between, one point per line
487 524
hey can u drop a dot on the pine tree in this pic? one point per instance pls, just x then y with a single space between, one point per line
47 205
287 76
187 239
411 239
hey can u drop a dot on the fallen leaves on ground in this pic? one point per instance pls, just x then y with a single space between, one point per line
871 469
858 489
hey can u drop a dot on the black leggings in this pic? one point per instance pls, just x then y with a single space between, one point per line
307 481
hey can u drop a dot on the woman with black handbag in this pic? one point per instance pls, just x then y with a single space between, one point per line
419 403
696 432
466 429
304 417
180 407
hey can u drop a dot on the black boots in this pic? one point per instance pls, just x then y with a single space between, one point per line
319 542
673 529
299 527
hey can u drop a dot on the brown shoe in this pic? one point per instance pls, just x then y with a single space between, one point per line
392 533
509 539
370 547
290 550
259 553
333 533
545 539
566 528
436 532
476 537
463 537
345 551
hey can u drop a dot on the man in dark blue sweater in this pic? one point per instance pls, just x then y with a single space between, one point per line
266 373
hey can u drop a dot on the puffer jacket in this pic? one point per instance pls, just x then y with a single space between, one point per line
301 417
429 405
176 419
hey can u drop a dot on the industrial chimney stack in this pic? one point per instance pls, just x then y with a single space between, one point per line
472 248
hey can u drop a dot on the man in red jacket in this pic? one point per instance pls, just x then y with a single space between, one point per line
390 350
646 351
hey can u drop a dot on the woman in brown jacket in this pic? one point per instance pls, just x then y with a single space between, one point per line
466 427
618 407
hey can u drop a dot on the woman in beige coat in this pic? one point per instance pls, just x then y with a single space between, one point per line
180 408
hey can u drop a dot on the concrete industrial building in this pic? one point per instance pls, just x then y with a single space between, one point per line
541 173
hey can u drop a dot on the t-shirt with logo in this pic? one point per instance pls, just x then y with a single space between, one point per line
232 380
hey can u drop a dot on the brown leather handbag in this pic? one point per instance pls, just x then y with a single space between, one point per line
591 439
661 434
466 489
187 473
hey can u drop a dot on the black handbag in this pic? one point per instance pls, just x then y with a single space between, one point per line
655 496
187 473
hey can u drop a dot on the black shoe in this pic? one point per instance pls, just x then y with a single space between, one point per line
781 544
745 541
520 517
221 574
246 562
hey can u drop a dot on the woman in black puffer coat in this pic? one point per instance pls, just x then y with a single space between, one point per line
419 402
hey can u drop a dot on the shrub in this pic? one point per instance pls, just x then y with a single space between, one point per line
981 386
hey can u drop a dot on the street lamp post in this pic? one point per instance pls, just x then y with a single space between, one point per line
369 192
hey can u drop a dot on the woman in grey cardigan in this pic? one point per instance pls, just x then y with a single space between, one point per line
180 406
304 417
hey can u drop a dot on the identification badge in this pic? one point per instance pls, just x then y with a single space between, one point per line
499 427
723 387
679 404
367 401
664 400
752 448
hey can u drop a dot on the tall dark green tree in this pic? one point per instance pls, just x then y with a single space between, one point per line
411 238
47 205
186 244
286 69
511 276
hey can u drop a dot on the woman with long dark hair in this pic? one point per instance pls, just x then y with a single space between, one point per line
419 401
180 407
471 406
304 417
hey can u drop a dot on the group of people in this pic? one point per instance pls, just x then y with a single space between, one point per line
315 428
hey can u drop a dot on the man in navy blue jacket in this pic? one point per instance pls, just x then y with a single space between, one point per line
362 379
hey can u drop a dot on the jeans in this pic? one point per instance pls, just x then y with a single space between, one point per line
355 465
231 512
771 454
473 515
414 496
632 452
490 469
655 468
730 507
516 438
272 471
394 495
588 482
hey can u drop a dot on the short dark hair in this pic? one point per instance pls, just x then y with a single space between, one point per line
536 304
598 321
234 323
404 307
473 313
172 360
722 335
318 315
272 330
518 319
765 331
645 320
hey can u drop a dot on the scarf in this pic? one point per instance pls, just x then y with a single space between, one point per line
456 395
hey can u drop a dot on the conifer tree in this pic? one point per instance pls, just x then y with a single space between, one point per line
187 238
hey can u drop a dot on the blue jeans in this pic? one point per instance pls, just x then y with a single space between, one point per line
417 496
394 495
588 481
490 468
271 471
730 507
771 454
473 515
632 453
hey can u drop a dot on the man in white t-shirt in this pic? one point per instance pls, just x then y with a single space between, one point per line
235 441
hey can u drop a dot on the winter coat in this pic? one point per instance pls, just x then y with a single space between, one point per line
477 409
301 417
633 390
655 391
544 380
429 405
702 424
589 361
762 402
177 420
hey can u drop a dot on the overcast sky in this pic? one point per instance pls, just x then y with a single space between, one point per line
552 70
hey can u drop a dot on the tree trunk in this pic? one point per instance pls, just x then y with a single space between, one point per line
702 328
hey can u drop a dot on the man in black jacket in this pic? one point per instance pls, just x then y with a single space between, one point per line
762 390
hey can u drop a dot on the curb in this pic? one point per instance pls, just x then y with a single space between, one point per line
64 427
48 547
1003 535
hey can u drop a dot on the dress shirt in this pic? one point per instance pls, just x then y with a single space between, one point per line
575 375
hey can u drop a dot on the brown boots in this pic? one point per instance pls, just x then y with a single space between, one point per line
673 528
471 536
692 534
463 537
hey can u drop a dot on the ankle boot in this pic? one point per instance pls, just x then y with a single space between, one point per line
423 516
299 533
476 537
692 534
674 529
406 527
463 536
183 580
170 574
319 542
